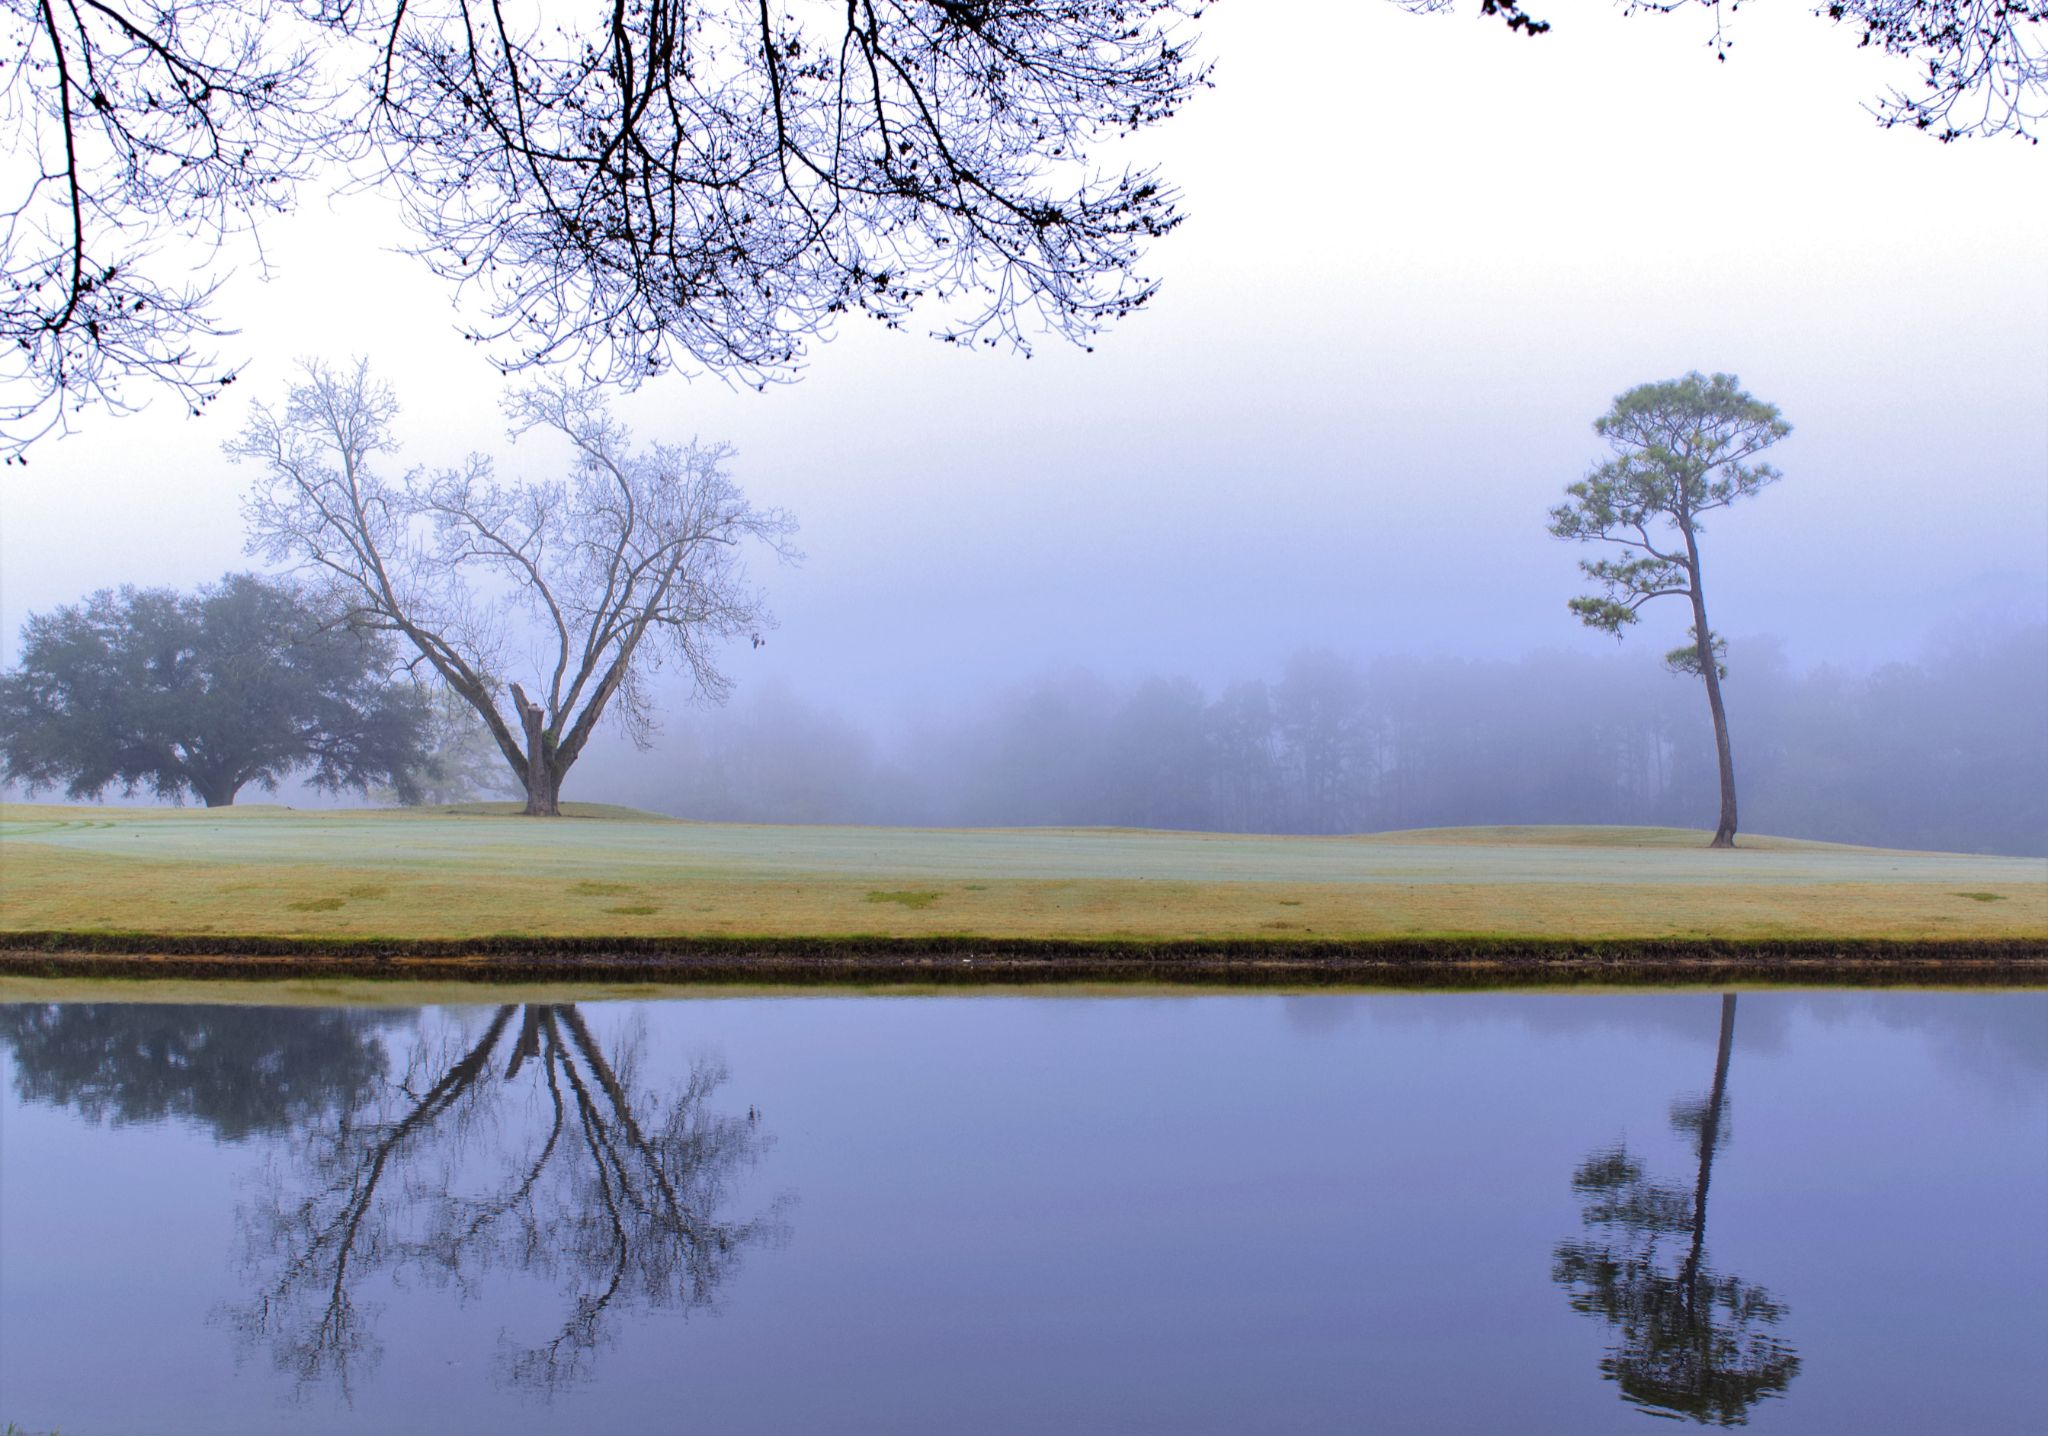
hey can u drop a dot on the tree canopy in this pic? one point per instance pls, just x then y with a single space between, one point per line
628 187
200 694
1983 64
238 1071
620 187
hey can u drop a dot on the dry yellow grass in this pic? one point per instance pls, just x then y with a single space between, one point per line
278 873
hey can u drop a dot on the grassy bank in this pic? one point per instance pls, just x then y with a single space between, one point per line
481 876
934 963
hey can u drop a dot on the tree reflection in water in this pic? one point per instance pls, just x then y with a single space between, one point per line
240 1071
526 1149
1692 1342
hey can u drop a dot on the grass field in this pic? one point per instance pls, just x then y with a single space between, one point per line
476 872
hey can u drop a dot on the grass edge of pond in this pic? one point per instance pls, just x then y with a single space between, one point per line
945 962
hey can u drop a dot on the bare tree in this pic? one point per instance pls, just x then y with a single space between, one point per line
1983 64
628 186
623 186
723 180
613 1190
632 562
135 128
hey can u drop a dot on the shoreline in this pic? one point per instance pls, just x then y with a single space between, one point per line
1447 962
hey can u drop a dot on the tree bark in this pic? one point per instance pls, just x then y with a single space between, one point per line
544 796
543 781
1710 670
220 794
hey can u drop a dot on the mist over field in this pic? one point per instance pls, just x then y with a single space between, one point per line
980 715
1273 557
1945 751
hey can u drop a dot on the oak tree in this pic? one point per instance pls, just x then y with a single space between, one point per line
200 694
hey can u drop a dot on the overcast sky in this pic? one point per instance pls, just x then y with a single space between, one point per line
1422 255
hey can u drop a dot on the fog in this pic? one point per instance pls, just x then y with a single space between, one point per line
1423 254
1945 752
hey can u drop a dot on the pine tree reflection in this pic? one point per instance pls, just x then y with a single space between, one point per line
239 1071
1691 1342
558 1166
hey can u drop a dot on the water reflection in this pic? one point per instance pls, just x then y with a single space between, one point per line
417 1219
238 1071
613 1195
528 1149
1690 1341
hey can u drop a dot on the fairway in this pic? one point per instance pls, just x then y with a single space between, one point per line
267 871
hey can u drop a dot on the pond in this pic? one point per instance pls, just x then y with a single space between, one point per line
1466 1212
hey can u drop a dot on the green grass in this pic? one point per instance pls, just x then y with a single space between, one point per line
915 901
480 871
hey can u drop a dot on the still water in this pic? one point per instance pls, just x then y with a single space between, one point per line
1518 1212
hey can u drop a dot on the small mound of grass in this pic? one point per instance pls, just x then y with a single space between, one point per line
1982 897
638 909
589 889
366 890
612 812
326 904
916 901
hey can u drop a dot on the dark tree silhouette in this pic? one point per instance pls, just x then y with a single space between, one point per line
1691 1341
622 186
635 559
240 1071
615 1195
243 682
652 182
1983 64
1682 449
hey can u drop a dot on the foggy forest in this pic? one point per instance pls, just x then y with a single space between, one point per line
1941 752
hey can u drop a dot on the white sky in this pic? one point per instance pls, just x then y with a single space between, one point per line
1422 255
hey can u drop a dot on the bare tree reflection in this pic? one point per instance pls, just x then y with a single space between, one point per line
527 1149
1690 1341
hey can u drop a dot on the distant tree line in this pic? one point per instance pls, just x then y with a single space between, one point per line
1948 752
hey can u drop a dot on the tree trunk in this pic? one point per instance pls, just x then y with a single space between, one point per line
1710 1136
1724 831
543 781
543 796
1710 670
220 794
